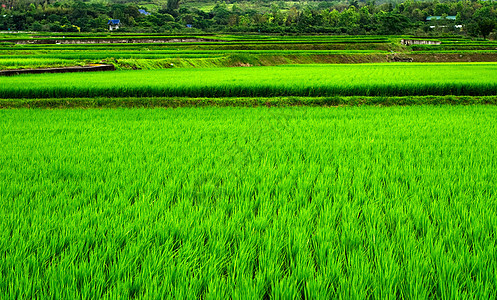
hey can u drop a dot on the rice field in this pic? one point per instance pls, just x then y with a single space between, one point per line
193 51
301 202
227 50
402 79
282 182
182 51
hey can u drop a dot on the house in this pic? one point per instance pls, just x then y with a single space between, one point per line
144 12
114 24
438 18
433 18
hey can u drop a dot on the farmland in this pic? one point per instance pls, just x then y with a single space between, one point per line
219 202
159 51
264 167
478 79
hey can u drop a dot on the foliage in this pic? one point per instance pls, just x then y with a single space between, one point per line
485 20
477 18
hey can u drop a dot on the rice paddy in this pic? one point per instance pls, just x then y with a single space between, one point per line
294 202
229 50
312 181
25 63
477 79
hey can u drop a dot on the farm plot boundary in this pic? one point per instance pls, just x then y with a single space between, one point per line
173 102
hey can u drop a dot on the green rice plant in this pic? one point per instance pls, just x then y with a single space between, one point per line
263 203
28 62
462 79
157 54
219 43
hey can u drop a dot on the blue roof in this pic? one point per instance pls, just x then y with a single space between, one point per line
144 12
429 18
113 22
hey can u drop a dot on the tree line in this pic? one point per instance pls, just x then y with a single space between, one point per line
474 18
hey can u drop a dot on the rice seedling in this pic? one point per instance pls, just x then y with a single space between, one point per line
29 62
301 202
470 79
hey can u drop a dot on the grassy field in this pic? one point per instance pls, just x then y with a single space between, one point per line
350 202
407 79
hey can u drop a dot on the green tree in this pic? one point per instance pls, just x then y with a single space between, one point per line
172 6
484 18
392 23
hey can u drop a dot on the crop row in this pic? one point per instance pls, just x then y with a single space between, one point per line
436 48
202 47
260 38
195 40
316 80
154 55
138 52
29 62
250 42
